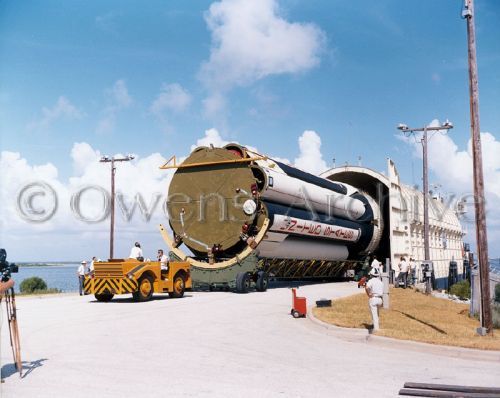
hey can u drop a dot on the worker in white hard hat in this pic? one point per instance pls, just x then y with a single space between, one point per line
374 290
81 272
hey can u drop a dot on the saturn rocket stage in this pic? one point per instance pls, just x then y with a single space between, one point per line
245 216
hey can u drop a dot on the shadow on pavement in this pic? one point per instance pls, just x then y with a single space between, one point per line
368 326
276 284
28 367
127 299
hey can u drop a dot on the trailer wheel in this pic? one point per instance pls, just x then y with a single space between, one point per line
296 314
103 297
242 282
144 289
178 288
262 281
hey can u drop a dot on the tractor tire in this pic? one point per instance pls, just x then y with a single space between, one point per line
103 297
144 289
178 288
242 282
262 281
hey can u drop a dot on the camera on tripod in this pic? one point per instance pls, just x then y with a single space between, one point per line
6 269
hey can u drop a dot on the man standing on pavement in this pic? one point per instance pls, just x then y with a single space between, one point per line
374 290
81 272
403 272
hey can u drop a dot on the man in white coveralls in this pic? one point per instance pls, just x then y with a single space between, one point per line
374 290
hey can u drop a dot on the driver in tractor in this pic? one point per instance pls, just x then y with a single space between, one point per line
163 259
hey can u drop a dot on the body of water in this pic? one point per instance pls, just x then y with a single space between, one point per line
62 276
495 266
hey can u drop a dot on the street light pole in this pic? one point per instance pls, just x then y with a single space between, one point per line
425 176
106 159
481 235
112 226
426 196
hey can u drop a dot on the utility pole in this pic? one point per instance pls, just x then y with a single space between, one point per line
112 160
425 176
481 236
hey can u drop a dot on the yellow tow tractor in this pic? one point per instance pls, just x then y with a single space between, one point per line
141 278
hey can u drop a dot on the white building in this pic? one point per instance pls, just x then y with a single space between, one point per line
403 216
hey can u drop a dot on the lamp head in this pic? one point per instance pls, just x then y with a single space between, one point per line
448 124
402 127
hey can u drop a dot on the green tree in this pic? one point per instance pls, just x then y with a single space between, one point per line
32 284
497 293
461 290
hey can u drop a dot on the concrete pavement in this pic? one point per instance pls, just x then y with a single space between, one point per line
210 344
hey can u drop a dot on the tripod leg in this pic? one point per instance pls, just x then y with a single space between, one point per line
15 342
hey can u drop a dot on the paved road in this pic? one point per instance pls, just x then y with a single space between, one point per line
209 345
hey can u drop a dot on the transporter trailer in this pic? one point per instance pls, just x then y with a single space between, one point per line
141 278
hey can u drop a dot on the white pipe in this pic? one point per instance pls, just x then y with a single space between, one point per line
284 189
298 249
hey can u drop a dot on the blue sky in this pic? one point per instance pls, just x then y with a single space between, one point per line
91 72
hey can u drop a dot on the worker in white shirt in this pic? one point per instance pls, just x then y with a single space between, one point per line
136 252
403 272
91 266
81 272
376 265
163 259
374 290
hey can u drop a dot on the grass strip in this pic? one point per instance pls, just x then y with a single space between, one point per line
412 316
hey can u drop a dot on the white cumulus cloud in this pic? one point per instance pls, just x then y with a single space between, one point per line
54 238
211 137
214 104
83 154
453 167
310 158
62 109
251 40
172 97
117 99
119 94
